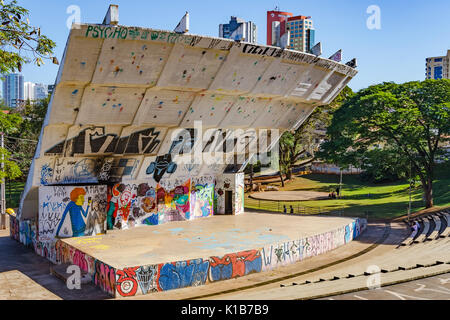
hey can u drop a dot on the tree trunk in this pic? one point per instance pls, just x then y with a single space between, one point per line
428 193
289 174
281 177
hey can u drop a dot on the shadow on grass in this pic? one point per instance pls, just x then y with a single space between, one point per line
387 210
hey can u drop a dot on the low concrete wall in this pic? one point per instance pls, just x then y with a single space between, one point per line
146 279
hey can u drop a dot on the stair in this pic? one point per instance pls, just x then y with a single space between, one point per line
59 271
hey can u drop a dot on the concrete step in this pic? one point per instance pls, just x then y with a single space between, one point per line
425 225
341 286
432 226
60 272
443 223
446 232
419 231
437 227
410 238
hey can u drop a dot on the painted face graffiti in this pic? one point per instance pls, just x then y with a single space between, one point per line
235 265
126 281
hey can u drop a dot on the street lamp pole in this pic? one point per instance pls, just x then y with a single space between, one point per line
3 194
410 182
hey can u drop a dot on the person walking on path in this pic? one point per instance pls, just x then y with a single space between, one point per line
284 209
292 209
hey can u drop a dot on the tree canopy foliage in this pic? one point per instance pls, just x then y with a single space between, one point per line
393 125
301 144
20 42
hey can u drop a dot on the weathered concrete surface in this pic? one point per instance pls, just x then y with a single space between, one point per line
213 236
271 279
326 288
432 288
121 91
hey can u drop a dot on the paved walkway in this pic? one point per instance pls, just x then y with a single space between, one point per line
433 288
26 276
289 195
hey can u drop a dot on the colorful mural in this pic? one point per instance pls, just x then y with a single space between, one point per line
141 203
69 211
202 200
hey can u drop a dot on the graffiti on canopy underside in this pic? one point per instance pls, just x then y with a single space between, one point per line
95 140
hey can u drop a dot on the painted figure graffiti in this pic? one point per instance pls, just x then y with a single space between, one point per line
76 212
202 200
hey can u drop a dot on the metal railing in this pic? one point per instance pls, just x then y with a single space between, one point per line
291 207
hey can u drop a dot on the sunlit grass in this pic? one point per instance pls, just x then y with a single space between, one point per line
362 198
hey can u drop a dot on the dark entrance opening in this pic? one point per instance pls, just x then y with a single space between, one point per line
228 202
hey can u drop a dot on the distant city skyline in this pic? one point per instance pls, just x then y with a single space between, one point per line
238 29
391 53
15 90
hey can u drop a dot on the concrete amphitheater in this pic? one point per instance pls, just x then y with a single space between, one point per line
109 130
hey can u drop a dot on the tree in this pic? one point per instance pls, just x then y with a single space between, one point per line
9 124
20 42
411 120
301 144
22 143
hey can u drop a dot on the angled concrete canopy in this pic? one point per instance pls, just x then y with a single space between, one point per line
122 92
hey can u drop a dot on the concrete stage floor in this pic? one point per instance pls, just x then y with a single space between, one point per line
201 238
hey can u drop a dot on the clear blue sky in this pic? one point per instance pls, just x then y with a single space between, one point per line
411 30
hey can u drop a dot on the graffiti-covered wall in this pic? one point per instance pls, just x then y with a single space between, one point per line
233 183
71 211
135 203
138 280
130 281
239 196
120 96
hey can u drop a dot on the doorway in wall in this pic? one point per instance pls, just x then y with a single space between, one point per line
229 202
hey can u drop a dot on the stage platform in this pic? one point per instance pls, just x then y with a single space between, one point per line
190 253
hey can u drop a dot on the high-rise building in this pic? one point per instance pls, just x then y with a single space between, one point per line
276 26
29 88
301 30
438 67
302 33
238 29
50 88
40 91
13 90
35 91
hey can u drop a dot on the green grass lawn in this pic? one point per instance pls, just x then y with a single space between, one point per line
361 198
13 192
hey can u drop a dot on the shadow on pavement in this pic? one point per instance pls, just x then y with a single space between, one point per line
14 256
